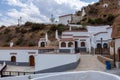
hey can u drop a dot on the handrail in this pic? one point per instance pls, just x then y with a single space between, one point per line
4 66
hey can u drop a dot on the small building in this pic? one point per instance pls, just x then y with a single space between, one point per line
21 56
83 41
65 19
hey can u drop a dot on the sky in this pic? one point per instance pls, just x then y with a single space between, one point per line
37 10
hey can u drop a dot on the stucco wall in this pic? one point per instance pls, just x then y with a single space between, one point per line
21 55
117 45
64 20
47 61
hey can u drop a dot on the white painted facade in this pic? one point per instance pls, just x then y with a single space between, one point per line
21 55
91 37
65 19
47 61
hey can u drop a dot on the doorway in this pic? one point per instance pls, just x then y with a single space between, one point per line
13 59
42 44
31 60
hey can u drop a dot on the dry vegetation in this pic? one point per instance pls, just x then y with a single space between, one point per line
96 14
28 34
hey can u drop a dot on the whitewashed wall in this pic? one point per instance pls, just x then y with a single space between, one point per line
96 29
117 45
76 33
46 61
21 56
109 32
64 20
105 36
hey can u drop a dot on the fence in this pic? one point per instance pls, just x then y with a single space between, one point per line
15 73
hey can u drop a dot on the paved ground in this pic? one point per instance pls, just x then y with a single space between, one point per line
90 62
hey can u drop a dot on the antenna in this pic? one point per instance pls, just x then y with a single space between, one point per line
52 18
19 21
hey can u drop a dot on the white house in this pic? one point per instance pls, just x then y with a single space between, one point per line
83 41
65 19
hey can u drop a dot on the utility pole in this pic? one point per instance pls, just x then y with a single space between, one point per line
114 51
101 46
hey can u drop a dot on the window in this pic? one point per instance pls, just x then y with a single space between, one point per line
63 44
82 44
70 44
13 59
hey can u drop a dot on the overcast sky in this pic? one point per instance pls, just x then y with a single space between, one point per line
37 10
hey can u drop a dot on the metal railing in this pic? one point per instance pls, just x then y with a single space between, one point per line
15 73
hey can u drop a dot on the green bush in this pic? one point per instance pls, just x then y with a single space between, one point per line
99 21
6 31
53 28
19 41
91 21
110 18
31 44
6 45
37 26
28 23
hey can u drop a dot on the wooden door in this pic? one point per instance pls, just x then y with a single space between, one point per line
31 60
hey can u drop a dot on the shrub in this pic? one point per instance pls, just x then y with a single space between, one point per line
53 28
110 18
31 44
6 31
19 41
6 45
23 30
99 21
93 11
37 26
91 21
28 23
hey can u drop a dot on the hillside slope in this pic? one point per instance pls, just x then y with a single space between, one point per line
101 13
28 34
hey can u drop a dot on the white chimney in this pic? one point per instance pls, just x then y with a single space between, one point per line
11 44
83 12
46 37
56 35
70 28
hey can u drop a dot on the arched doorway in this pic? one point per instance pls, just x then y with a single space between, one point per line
70 44
82 44
13 59
31 60
99 45
42 44
63 44
105 45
